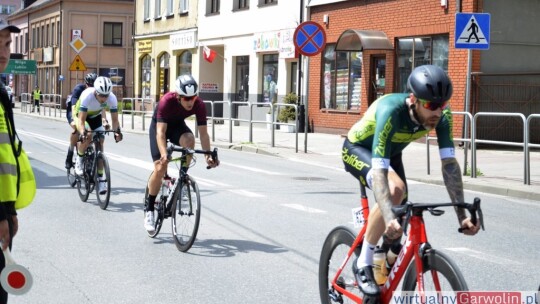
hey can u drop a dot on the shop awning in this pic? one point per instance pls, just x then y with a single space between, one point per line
359 40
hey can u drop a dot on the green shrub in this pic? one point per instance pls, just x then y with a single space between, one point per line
288 113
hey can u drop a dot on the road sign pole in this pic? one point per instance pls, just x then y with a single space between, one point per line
467 106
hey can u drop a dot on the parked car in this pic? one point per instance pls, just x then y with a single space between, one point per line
10 95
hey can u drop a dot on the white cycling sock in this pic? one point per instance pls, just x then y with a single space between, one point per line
366 255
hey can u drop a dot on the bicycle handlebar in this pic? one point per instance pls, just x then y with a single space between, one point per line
97 133
408 208
186 151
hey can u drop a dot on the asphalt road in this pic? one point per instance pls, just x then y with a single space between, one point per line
263 222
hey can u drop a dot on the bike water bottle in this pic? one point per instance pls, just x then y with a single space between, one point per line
379 263
165 186
391 256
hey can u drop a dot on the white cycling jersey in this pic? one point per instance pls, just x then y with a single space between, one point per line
89 103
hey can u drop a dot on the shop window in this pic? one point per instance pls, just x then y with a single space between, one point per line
342 79
270 77
417 51
240 5
112 34
212 7
157 9
267 2
184 63
146 10
146 76
163 74
184 6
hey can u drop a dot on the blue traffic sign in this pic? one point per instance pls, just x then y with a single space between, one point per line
472 31
309 38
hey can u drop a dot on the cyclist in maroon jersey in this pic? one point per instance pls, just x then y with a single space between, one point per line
168 123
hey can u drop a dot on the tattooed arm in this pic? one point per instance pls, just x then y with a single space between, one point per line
454 184
381 191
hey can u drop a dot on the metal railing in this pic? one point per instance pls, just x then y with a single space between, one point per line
250 121
51 101
526 144
26 101
143 104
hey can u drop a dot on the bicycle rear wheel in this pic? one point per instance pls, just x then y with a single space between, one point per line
185 214
335 249
103 197
159 211
440 274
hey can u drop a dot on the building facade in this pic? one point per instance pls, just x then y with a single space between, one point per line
353 71
252 53
104 44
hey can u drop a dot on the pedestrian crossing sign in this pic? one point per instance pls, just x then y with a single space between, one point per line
472 31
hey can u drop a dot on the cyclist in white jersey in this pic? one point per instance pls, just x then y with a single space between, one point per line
89 108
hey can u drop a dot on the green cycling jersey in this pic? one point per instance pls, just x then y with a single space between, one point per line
387 128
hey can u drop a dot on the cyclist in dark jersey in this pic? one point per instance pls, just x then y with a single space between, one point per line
168 124
75 94
372 153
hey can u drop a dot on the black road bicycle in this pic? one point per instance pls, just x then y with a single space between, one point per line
87 182
179 198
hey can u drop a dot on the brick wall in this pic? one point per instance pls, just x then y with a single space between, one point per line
400 18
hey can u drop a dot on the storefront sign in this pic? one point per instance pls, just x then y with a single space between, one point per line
182 40
267 41
144 46
48 54
286 44
38 55
209 87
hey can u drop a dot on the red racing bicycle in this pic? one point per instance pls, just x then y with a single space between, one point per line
424 270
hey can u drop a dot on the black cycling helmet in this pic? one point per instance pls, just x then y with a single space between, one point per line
187 86
430 82
90 78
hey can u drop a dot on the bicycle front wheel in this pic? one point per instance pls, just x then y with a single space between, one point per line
103 192
186 214
440 274
334 251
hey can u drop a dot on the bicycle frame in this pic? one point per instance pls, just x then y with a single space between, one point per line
414 245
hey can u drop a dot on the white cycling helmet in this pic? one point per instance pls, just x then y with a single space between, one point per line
103 85
187 86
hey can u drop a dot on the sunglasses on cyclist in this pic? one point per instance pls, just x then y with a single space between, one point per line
103 95
431 105
186 98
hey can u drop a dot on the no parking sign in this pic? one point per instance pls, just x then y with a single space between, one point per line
309 38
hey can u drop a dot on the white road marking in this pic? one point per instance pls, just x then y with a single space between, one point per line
483 256
245 193
254 169
149 166
303 208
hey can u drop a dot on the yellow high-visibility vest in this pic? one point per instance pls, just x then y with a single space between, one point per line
16 175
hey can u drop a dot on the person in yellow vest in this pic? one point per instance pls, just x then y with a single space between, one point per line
37 97
18 185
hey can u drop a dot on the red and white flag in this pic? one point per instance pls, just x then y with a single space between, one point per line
209 54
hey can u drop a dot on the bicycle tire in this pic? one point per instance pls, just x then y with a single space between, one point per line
447 271
334 250
83 182
103 199
185 214
159 211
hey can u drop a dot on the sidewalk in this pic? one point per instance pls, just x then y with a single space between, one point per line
498 171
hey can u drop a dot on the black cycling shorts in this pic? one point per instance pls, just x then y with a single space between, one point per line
357 161
173 135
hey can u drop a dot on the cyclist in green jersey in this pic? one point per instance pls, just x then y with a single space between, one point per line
372 154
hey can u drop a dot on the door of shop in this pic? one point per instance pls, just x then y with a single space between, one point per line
377 77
